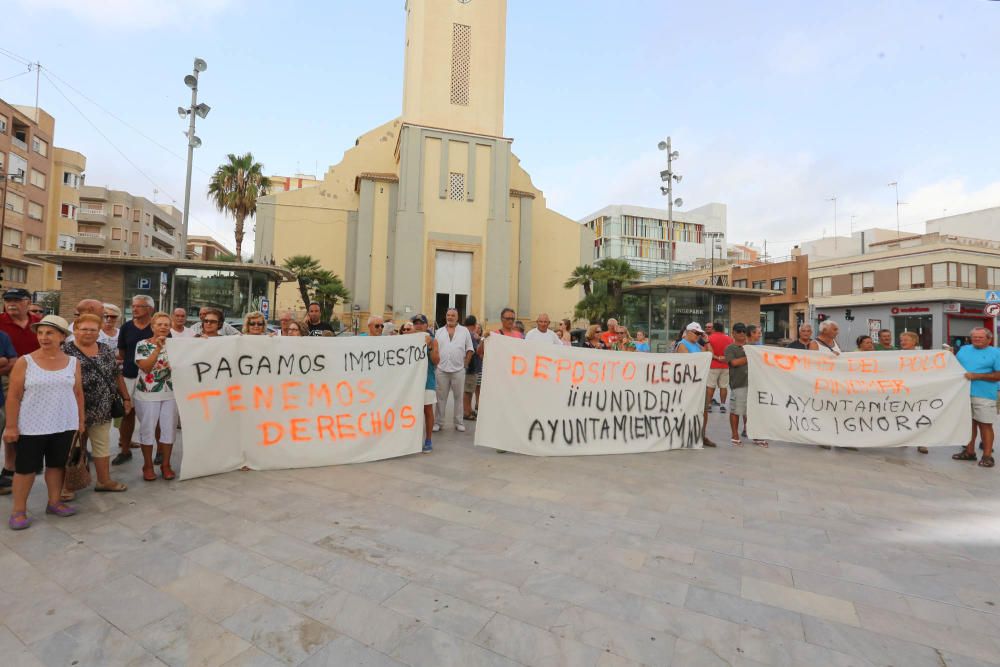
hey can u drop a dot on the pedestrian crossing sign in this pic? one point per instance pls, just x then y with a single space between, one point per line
993 296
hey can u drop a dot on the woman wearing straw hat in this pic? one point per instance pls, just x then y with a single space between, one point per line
44 410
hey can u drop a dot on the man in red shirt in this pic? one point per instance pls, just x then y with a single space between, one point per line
16 321
718 373
610 337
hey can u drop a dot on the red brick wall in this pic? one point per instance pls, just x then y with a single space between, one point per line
90 281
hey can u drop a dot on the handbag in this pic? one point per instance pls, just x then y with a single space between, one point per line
77 466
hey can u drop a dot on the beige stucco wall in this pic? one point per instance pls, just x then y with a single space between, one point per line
63 160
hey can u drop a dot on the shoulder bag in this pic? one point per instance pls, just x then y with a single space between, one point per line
77 466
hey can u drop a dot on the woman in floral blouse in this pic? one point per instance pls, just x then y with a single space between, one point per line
154 398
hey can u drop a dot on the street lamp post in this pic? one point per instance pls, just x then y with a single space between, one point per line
3 209
669 177
199 111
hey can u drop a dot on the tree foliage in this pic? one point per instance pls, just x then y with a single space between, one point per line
316 283
603 285
234 189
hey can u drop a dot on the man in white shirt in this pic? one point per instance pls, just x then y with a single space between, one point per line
541 333
456 349
178 324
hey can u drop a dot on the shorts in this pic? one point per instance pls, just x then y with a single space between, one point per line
100 439
29 450
471 380
738 401
149 413
430 397
984 410
718 378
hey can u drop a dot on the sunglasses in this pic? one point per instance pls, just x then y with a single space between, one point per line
210 321
111 317
379 326
256 324
507 319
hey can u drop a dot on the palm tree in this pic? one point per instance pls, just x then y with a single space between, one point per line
234 189
616 273
305 268
329 291
582 276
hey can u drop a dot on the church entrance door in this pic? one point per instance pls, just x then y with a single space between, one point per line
452 284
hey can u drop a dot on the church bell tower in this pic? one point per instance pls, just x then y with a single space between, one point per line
454 65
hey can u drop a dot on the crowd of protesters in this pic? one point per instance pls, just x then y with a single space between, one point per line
68 380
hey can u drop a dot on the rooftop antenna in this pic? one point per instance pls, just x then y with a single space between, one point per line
155 192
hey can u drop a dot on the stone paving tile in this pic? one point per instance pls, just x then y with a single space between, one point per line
790 556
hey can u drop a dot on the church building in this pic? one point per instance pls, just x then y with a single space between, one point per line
432 209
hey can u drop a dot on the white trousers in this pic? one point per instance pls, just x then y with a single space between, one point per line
454 384
151 413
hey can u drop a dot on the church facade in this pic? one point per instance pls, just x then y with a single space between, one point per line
433 210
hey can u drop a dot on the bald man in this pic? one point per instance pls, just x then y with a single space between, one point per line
87 307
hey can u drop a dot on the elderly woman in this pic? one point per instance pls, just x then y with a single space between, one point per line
211 323
593 338
44 410
255 324
865 344
296 328
109 327
154 398
102 381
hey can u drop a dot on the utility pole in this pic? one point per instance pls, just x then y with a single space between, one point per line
895 186
834 200
38 82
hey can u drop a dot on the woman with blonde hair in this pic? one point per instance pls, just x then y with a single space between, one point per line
154 398
593 338
255 324
109 327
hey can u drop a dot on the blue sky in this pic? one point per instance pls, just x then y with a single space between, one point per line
774 106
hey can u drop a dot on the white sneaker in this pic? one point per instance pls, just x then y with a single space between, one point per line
437 427
460 428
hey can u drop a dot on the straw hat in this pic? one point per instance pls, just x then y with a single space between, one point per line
53 321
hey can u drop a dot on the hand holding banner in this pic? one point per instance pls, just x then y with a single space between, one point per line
859 399
274 403
552 400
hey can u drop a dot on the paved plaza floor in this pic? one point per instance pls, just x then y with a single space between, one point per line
787 556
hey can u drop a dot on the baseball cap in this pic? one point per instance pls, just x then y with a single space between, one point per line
739 327
419 319
695 327
16 293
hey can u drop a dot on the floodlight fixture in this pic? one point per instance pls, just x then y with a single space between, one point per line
182 112
202 110
200 65
677 177
675 155
665 175
665 191
662 145
678 202
191 81
195 142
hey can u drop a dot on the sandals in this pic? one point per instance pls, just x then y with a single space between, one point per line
761 443
113 487
986 462
707 443
67 496
168 473
964 455
736 442
148 475
60 509
121 458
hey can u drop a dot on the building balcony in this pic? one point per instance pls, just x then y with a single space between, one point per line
160 221
159 252
17 143
165 236
91 240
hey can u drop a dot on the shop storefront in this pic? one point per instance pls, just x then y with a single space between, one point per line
935 322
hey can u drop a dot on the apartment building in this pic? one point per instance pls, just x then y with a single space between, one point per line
68 176
206 248
780 314
26 165
932 284
289 183
120 224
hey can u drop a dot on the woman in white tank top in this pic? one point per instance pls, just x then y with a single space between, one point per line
44 410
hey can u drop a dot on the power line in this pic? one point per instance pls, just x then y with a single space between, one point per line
14 56
16 75
123 122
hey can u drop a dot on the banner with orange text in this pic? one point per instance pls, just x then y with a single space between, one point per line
553 400
285 402
858 399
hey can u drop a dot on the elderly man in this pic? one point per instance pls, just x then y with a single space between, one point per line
541 333
375 326
610 337
826 341
132 332
455 347
16 321
689 345
314 315
285 321
178 324
982 364
884 343
805 337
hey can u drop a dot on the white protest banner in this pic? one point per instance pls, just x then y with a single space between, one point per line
858 399
553 400
272 403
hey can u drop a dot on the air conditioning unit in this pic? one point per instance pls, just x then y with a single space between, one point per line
14 245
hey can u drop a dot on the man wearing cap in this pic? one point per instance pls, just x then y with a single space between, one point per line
15 323
430 387
689 345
